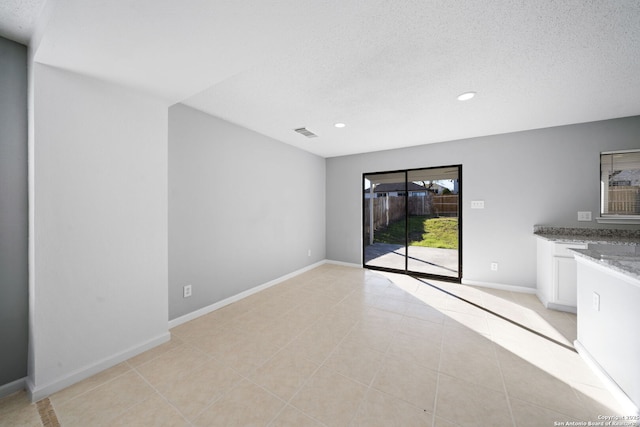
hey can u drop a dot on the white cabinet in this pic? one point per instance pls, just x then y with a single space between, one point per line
608 335
556 274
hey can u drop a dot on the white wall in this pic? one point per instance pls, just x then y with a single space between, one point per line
244 209
99 230
535 177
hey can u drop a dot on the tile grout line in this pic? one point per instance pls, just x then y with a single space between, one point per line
247 377
338 373
230 389
159 393
370 386
320 365
435 398
51 405
507 395
222 395
64 402
568 347
504 383
384 356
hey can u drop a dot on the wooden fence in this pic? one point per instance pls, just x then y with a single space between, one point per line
623 200
445 205
390 209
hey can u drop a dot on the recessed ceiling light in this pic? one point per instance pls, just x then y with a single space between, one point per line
340 125
466 96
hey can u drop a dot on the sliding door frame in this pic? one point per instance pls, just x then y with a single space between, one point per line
406 172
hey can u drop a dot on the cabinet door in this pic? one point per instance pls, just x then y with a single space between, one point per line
544 272
565 280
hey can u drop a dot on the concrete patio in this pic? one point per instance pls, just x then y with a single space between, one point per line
443 262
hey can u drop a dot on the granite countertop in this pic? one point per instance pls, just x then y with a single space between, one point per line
627 263
587 235
568 238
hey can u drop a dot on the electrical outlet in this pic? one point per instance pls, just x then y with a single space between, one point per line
596 301
584 216
494 266
186 291
309 252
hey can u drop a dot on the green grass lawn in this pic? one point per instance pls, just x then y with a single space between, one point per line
423 231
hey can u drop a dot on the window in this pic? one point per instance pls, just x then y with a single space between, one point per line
620 187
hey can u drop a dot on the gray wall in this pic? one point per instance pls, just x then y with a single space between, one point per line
14 279
244 209
535 177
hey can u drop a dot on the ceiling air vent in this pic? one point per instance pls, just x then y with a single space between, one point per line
306 132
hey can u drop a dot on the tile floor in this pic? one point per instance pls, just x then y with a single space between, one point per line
342 346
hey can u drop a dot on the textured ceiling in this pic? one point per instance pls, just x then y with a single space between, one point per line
18 19
390 69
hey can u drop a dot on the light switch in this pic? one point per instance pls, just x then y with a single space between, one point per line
477 204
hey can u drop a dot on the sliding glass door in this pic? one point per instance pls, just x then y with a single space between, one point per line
412 223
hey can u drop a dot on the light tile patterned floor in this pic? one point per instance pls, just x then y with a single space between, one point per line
342 346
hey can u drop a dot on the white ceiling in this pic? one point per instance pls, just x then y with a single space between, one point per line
18 19
390 69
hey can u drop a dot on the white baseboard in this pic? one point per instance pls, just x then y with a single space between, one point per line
40 392
562 307
611 385
344 264
215 306
12 387
499 286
